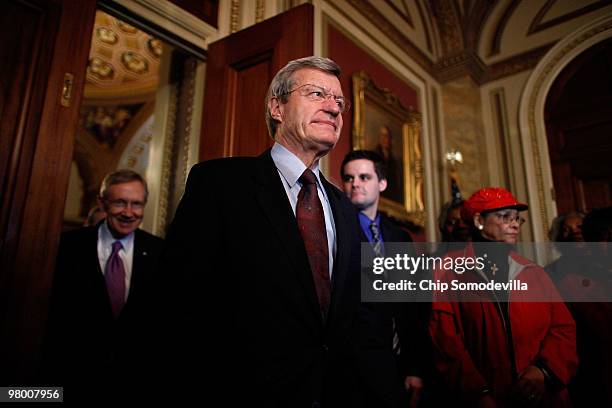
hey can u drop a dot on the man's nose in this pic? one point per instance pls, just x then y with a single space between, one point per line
129 209
330 105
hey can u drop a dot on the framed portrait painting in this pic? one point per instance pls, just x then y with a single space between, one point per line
383 125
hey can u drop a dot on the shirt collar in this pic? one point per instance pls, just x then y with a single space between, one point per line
290 166
365 221
107 237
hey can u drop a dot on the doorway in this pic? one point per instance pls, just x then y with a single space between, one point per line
139 111
578 114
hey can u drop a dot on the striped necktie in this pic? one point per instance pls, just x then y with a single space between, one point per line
378 250
376 242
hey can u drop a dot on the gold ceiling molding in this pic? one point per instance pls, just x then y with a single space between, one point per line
449 26
516 64
234 16
460 57
456 66
260 10
123 60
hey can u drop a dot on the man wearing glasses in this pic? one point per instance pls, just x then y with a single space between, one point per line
264 254
101 274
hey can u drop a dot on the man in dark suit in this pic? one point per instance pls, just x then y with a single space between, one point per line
102 274
398 331
262 262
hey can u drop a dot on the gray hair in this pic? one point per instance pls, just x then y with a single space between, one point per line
283 82
555 234
120 177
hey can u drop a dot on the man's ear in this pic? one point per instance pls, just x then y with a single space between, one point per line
276 110
382 185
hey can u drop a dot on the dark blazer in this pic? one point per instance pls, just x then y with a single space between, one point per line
242 302
385 372
83 341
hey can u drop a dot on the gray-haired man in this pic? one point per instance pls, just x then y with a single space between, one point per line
264 254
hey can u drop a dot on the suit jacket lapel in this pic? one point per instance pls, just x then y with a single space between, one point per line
101 282
92 250
273 200
138 263
343 243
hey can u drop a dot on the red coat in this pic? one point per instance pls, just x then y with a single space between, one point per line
470 342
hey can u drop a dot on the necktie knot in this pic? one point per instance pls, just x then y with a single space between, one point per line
308 177
117 246
374 229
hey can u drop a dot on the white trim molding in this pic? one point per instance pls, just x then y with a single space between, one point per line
174 19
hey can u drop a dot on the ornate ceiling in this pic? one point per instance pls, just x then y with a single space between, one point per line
486 39
123 60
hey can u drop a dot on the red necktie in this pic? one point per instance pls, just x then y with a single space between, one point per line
114 275
311 222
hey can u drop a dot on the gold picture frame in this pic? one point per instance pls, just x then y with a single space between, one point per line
383 125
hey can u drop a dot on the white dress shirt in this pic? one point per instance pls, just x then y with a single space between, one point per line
290 169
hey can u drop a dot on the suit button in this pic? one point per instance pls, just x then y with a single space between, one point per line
325 348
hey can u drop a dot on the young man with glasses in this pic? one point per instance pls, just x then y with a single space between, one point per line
102 273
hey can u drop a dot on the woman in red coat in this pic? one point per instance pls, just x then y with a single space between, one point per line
500 349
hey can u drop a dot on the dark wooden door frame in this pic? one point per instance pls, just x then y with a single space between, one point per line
37 178
228 129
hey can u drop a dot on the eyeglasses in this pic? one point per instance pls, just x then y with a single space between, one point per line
320 94
122 204
508 217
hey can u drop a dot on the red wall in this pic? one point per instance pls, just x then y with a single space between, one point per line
353 59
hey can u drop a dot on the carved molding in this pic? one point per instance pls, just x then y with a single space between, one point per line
260 10
459 65
450 29
167 161
516 64
234 16
463 60
173 18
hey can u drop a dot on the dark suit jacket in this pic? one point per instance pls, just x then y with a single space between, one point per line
382 367
243 310
83 341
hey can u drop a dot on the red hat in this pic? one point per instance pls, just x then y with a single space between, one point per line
488 199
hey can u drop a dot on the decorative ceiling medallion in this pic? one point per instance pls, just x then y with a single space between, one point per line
100 68
134 62
106 35
125 27
155 47
106 123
